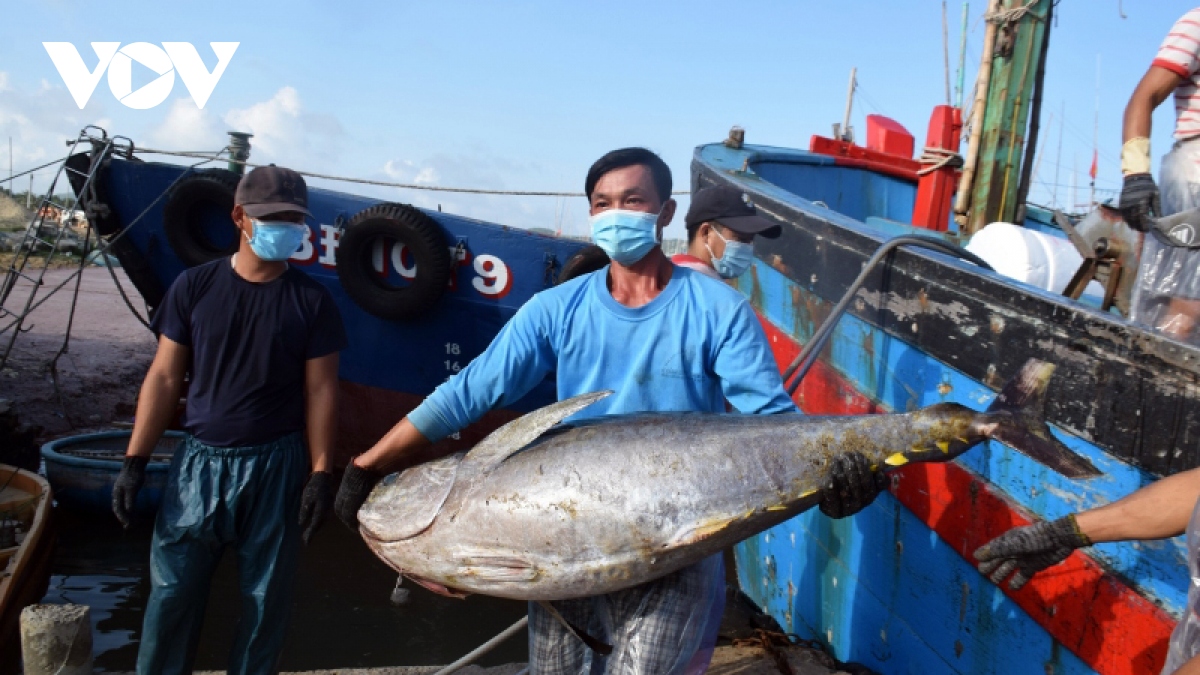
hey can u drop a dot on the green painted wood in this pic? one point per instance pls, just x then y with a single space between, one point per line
1005 121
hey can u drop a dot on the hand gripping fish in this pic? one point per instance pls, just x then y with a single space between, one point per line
540 513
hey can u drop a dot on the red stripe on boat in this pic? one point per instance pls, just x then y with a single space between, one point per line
1107 624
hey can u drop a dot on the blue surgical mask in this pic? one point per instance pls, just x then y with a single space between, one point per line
275 240
735 261
626 236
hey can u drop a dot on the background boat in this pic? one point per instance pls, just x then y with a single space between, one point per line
26 545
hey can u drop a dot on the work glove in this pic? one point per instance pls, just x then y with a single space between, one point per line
852 485
129 481
357 484
1139 201
1029 550
315 502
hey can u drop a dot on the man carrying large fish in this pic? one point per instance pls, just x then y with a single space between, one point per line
662 339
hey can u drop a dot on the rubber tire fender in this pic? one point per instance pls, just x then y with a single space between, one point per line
588 259
422 236
183 220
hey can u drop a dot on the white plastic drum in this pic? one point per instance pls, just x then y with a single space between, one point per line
1033 257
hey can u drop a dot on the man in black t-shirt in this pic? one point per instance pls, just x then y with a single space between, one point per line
260 341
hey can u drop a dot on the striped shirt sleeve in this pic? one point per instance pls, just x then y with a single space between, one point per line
1180 51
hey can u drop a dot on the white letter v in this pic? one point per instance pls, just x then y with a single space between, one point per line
75 75
199 82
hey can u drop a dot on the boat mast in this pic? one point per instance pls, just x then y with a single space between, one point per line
1013 53
845 133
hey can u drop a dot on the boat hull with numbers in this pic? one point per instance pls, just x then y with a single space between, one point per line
390 365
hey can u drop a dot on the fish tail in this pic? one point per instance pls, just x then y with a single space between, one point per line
1015 419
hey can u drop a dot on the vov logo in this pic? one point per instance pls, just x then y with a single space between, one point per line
172 57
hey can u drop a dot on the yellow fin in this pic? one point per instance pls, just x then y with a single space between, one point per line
809 493
898 459
944 446
777 507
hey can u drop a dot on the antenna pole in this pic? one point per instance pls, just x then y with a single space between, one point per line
846 134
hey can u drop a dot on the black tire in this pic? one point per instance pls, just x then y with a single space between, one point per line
188 216
588 259
424 239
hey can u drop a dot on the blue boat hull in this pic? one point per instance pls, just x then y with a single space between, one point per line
389 366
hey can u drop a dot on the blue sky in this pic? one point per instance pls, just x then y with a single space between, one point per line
525 95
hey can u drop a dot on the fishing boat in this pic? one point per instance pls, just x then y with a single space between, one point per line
421 292
82 470
895 587
26 545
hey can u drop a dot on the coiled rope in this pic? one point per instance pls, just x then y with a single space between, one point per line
1012 14
936 158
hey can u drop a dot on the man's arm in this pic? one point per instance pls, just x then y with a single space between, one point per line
320 417
320 403
1154 88
156 407
516 360
1192 667
159 396
1157 511
1139 201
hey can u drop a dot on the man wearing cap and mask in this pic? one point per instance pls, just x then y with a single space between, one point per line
260 341
663 338
721 225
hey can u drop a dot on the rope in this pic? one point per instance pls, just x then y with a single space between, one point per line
936 158
36 168
1012 14
485 647
105 244
383 183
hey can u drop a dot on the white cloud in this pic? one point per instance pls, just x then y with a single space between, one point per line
187 127
286 134
38 122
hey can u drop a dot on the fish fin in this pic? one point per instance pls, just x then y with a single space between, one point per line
1015 419
497 568
404 505
439 589
508 439
596 645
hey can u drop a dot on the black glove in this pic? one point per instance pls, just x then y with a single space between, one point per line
852 486
315 503
1139 201
357 484
129 481
1029 550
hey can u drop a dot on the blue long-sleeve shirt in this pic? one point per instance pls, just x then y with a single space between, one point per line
692 348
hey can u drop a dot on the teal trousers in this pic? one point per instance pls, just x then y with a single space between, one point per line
246 498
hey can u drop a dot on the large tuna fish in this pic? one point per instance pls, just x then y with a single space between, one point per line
535 513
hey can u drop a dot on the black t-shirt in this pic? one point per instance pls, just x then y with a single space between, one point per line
249 344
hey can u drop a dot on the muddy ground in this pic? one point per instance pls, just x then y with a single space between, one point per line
98 376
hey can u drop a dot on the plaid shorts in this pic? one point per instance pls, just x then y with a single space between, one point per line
654 628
